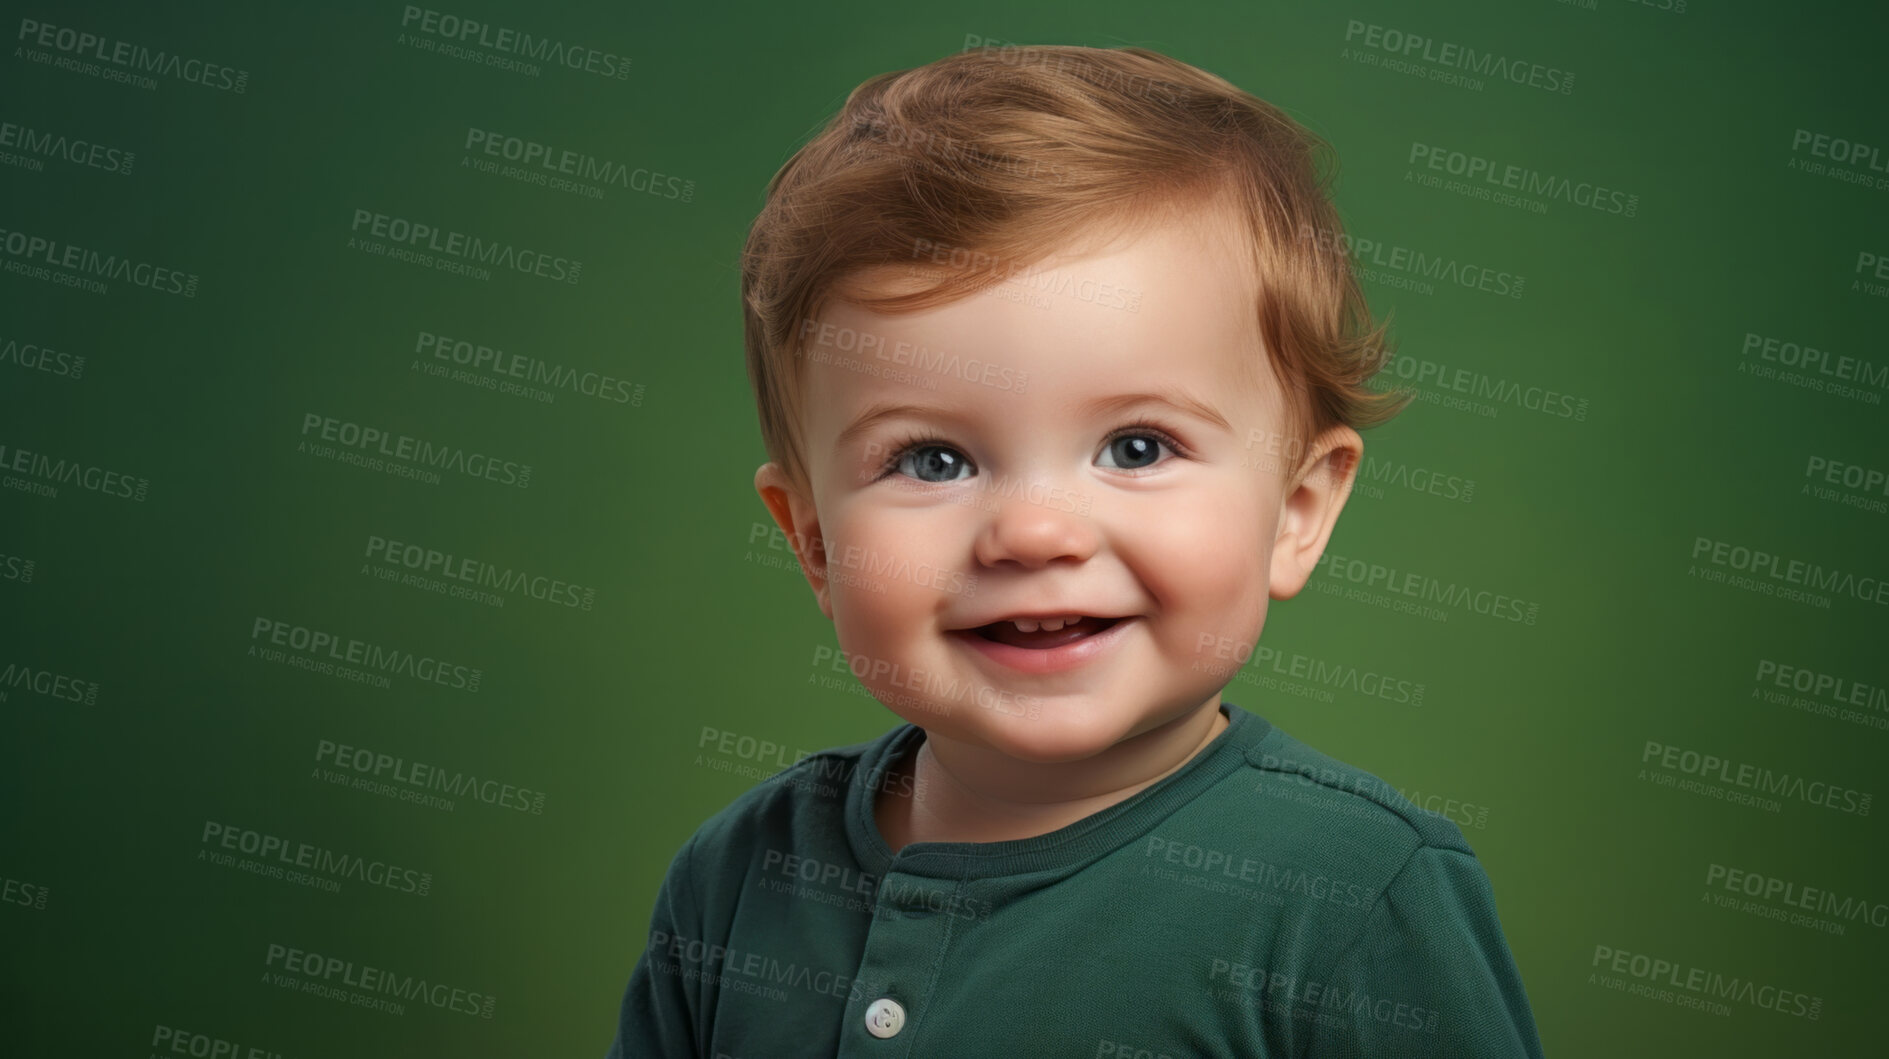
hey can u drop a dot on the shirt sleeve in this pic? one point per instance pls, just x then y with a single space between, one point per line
662 1003
1428 974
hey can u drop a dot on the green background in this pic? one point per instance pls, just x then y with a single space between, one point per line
651 504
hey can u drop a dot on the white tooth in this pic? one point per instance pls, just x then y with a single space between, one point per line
1046 624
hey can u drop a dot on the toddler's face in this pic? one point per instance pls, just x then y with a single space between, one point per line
1025 472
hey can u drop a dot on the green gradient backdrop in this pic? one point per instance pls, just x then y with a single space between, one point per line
113 925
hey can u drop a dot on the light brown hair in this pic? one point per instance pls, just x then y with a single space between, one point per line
1009 155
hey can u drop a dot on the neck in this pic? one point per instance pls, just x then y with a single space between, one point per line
975 794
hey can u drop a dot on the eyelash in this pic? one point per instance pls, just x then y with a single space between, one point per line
906 443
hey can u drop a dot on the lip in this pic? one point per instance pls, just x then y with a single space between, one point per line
1047 660
1039 615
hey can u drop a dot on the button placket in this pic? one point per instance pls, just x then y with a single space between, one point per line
894 975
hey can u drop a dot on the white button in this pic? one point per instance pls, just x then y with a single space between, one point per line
884 1017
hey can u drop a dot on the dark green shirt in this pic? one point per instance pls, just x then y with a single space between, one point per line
1261 900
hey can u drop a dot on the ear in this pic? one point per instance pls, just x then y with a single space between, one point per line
794 513
1313 499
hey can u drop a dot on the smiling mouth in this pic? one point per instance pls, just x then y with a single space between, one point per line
1005 632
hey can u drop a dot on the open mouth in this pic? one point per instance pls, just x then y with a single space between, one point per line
1006 632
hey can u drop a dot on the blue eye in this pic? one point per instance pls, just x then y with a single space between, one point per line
930 459
1134 447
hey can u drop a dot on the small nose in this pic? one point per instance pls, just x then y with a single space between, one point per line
1035 525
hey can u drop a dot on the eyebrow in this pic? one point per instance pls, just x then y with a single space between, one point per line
1180 400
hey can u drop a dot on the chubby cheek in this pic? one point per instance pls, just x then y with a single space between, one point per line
883 581
1205 560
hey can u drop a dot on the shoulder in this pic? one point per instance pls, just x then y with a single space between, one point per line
1319 844
1382 867
809 794
1330 829
1297 781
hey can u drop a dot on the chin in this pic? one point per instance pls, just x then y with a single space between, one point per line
1039 753
1047 739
